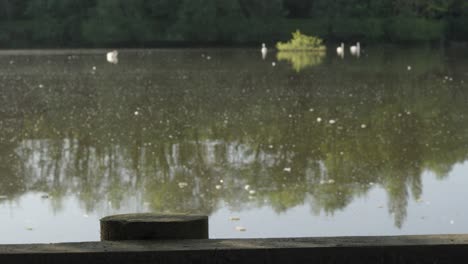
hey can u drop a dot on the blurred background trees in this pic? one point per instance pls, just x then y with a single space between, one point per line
56 23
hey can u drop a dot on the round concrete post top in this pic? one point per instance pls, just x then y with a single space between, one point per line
144 226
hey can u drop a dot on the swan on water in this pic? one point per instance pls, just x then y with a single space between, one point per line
340 50
264 51
112 56
355 50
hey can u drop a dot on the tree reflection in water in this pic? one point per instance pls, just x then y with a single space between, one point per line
161 118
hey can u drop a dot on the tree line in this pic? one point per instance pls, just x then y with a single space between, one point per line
55 23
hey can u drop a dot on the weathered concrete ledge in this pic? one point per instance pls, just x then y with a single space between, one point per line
434 249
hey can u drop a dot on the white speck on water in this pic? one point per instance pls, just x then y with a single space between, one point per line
273 64
322 182
332 121
341 153
221 181
94 68
287 169
241 229
408 68
208 57
11 62
452 222
319 119
136 113
363 125
371 183
41 86
311 110
247 187
290 116
218 187
252 192
331 181
182 184
3 197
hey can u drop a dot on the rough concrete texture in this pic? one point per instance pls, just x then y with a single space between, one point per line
153 226
363 250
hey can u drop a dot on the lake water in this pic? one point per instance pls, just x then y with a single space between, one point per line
292 145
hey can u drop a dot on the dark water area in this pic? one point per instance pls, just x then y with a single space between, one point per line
293 144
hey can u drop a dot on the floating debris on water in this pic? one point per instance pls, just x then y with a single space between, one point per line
218 187
182 184
408 68
332 121
273 64
287 169
234 218
241 229
45 196
136 113
247 187
221 181
319 119
331 181
363 125
94 68
29 228
41 86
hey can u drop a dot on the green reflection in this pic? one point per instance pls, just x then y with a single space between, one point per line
181 133
301 59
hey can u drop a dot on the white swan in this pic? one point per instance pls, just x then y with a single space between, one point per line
355 50
112 57
264 51
340 50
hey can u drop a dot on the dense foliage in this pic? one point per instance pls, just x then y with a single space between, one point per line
145 22
301 42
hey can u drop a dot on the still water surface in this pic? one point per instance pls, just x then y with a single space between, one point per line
291 145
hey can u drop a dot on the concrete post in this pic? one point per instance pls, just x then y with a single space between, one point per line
153 227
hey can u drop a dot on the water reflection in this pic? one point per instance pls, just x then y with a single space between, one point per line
180 133
301 59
